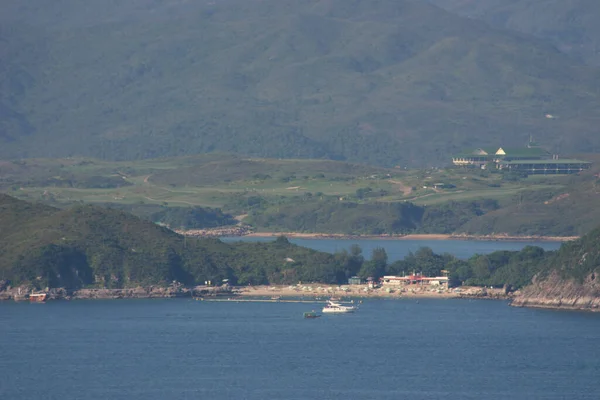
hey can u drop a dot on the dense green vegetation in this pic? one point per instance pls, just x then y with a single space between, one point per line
178 217
214 170
510 269
347 80
292 195
88 246
335 215
578 260
566 210
93 246
571 26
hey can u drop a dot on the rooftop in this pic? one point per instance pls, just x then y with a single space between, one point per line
505 151
547 161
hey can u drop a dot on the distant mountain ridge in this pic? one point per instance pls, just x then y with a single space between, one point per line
389 82
572 26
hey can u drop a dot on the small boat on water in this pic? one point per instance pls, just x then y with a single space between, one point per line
311 314
38 297
334 307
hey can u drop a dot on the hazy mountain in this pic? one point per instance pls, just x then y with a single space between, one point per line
572 26
387 82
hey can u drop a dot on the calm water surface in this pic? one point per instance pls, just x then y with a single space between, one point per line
398 249
394 349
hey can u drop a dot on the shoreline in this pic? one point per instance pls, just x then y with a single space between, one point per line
323 292
415 236
311 291
303 293
245 231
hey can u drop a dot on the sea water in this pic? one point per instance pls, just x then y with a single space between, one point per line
389 349
397 249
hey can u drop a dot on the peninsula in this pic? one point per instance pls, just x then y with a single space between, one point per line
94 252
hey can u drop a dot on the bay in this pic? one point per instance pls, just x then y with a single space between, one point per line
397 249
389 349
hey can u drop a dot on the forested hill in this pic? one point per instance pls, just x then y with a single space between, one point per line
569 279
92 246
391 82
572 26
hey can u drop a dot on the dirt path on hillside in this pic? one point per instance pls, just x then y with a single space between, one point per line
406 190
240 218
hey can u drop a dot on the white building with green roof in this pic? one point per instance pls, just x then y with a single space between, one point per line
530 160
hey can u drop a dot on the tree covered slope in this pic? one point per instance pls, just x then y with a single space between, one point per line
569 210
572 26
386 82
569 279
92 246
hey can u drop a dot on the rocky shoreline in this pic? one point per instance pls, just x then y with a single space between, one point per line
552 293
21 293
556 293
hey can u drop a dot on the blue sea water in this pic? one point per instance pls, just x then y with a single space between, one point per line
389 349
398 249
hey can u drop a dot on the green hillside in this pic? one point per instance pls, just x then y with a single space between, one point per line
568 278
569 210
572 26
577 260
87 246
213 190
369 82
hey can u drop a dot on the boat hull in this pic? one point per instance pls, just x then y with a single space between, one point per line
326 311
38 298
333 307
311 315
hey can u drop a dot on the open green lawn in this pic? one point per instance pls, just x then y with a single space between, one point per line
213 180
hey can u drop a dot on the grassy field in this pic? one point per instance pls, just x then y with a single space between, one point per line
213 180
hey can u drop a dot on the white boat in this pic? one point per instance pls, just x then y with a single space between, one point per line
334 307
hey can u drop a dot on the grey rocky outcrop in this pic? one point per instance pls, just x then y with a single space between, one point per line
139 292
555 292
